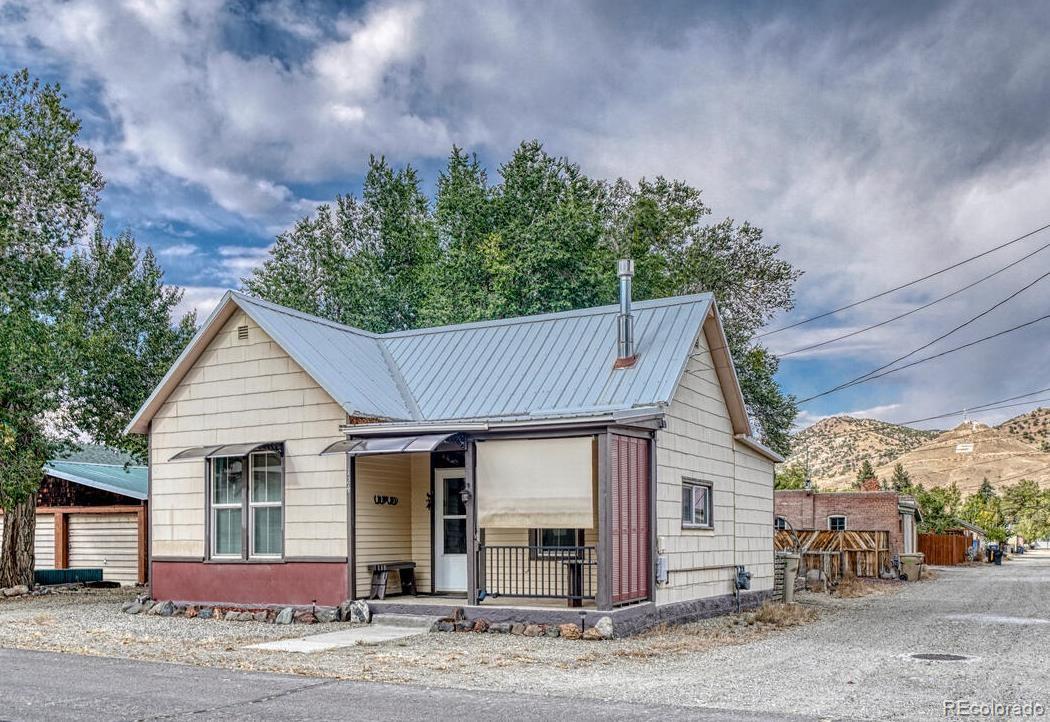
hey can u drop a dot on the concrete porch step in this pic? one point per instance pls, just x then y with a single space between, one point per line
405 621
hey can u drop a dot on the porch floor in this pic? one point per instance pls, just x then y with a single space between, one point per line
461 600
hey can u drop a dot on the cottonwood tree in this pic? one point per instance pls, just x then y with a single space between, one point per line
543 238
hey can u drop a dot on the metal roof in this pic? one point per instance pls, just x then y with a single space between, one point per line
556 365
127 481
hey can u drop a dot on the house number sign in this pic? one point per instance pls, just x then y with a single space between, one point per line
381 500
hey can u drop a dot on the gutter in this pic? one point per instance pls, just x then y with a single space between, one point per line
468 425
760 448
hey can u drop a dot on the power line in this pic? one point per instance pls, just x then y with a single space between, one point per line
943 336
904 285
981 407
923 307
929 358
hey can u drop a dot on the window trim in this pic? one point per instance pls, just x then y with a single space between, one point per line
843 517
246 554
690 483
538 551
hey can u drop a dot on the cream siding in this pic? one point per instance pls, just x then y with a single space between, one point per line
698 444
105 541
384 531
244 391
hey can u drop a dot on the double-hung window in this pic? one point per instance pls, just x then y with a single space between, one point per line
837 523
696 505
247 506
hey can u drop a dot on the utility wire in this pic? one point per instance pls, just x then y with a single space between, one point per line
1015 294
929 358
904 285
980 407
923 307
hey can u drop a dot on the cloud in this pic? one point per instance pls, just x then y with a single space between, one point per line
180 250
872 142
202 299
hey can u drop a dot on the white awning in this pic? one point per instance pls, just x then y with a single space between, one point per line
536 483
387 445
225 450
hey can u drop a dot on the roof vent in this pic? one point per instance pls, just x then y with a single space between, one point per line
242 333
626 357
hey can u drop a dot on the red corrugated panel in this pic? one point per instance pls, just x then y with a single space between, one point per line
630 518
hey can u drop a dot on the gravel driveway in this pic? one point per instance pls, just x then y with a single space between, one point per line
854 661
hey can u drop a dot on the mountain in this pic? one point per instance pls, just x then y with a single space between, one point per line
968 454
836 446
1032 428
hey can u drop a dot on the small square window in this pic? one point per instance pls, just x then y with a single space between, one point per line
696 505
837 523
556 543
780 523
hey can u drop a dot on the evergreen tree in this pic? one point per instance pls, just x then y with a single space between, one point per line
901 480
866 472
987 491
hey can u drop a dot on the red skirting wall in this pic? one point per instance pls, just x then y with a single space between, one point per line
289 583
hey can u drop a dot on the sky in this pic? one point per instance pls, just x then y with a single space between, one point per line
875 142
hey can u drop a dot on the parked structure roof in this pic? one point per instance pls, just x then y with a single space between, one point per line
131 481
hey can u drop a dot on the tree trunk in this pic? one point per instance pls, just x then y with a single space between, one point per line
16 554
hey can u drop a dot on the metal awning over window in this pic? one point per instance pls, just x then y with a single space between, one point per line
225 450
391 445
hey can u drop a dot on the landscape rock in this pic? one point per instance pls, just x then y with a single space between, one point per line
325 615
500 628
246 617
132 608
305 618
261 616
569 631
464 625
355 611
205 613
284 616
517 628
481 625
553 631
592 634
191 611
148 605
16 591
446 626
231 616
163 609
604 627
532 630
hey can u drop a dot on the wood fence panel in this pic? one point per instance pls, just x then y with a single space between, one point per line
943 549
862 553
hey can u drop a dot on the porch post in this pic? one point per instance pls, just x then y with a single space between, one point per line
605 556
351 526
472 523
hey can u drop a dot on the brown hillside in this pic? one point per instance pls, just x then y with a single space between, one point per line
1032 428
836 446
969 453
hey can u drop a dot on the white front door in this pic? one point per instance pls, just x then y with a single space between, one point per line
450 531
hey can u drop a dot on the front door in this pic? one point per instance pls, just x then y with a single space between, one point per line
450 531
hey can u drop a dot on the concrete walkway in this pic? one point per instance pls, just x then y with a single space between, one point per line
362 634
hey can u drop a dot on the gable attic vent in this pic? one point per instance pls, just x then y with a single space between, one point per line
626 357
242 333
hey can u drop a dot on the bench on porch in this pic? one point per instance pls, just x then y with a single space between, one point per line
406 572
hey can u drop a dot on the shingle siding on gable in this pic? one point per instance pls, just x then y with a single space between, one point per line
245 391
698 443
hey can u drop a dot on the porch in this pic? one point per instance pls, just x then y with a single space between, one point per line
508 524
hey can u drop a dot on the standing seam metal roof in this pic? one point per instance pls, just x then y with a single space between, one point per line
545 365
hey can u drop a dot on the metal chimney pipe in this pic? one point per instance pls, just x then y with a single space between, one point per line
625 321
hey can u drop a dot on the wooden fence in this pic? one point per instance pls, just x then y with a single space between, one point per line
943 549
864 553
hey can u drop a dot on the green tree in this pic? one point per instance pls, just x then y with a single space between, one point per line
120 318
792 476
865 472
544 238
48 193
987 491
901 479
939 506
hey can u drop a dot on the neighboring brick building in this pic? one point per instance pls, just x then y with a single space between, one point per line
859 510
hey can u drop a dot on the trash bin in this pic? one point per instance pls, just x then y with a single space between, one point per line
988 553
911 567
790 572
997 557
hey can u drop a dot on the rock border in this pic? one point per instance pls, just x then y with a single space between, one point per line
456 622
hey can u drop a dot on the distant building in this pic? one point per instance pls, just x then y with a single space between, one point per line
886 511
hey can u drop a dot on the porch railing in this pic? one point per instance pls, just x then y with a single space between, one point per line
543 572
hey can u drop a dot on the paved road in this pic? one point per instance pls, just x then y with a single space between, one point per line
45 686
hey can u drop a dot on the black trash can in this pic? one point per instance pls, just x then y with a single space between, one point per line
988 552
999 556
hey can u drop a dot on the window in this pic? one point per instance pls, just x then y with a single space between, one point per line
696 505
780 523
247 506
552 542
837 523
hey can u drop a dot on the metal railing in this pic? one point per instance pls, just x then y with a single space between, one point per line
543 572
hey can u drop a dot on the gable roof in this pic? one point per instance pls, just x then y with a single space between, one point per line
555 365
129 481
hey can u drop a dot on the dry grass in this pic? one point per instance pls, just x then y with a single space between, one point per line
852 587
783 615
